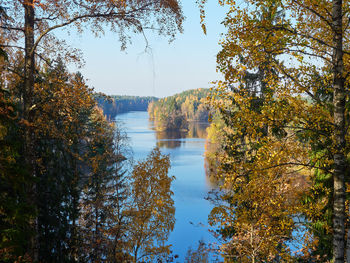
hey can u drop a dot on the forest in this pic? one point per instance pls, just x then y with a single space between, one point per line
279 142
69 188
90 202
114 104
175 112
278 139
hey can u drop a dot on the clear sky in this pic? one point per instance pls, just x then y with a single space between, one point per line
189 62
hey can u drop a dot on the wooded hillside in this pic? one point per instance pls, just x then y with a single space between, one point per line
176 111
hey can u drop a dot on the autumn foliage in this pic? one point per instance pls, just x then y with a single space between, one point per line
283 102
62 171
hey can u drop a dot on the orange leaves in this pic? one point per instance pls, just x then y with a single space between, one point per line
25 123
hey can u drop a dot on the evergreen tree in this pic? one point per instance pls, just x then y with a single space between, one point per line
15 212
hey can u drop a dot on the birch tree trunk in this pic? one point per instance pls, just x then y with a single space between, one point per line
29 155
339 135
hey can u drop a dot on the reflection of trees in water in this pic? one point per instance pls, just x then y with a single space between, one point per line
197 130
169 139
211 179
173 139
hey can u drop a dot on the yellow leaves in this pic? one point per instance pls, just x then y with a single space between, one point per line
276 57
204 28
152 205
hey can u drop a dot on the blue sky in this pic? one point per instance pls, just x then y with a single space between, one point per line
189 62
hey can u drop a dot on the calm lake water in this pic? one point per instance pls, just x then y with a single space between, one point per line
187 165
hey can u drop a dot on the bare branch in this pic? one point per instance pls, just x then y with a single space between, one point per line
12 28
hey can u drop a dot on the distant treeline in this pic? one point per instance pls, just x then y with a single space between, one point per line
174 112
113 105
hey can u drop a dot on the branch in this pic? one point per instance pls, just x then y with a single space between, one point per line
307 129
44 59
12 28
16 72
296 33
12 46
315 13
308 54
298 46
294 163
92 15
50 18
59 26
72 21
297 82
36 53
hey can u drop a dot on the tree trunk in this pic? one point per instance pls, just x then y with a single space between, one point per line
339 136
29 155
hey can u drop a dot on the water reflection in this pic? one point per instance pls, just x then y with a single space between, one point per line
211 179
197 130
173 139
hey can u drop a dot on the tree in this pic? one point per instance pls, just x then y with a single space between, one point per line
152 209
118 198
92 220
15 212
64 105
309 40
103 220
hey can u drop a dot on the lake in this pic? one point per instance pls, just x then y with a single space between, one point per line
191 185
